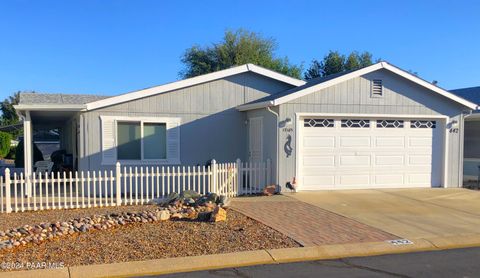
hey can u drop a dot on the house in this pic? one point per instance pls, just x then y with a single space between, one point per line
375 127
472 135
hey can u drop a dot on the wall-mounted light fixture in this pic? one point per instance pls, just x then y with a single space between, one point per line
288 121
454 124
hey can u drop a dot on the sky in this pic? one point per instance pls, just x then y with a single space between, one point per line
110 47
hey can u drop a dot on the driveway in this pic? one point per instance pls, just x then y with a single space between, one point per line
307 224
407 213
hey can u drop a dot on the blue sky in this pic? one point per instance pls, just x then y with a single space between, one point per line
111 47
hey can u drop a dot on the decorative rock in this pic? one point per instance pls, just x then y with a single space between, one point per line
218 214
176 216
269 190
192 215
189 194
212 197
224 201
163 215
204 216
172 197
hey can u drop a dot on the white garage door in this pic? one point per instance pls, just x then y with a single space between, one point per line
345 153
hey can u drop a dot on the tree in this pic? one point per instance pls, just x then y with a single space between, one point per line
9 115
334 62
5 140
236 48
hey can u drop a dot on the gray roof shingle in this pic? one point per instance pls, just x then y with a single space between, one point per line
39 98
471 94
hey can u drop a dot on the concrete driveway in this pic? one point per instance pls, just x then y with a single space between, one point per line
407 213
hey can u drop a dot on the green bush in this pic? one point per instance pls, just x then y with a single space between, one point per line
5 140
11 153
19 159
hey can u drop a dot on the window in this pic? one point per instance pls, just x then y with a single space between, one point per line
128 141
154 141
377 88
355 123
423 124
318 123
389 123
141 141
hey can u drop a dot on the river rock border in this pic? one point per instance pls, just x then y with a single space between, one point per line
189 206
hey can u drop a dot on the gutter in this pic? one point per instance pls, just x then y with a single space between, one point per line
257 105
277 172
49 107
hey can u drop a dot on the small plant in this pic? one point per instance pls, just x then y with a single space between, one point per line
19 159
5 140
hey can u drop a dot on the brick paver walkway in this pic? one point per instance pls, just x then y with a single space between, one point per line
307 224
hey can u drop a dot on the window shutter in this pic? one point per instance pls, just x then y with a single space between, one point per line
173 141
109 150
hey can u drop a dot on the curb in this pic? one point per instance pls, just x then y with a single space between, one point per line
250 258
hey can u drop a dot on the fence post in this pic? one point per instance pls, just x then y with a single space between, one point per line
239 177
214 176
8 200
118 181
269 171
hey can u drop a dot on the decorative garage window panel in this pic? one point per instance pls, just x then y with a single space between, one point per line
390 123
318 123
354 123
423 124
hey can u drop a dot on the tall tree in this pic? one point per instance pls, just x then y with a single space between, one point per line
236 48
335 62
9 115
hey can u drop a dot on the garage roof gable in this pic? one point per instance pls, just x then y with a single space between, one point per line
321 83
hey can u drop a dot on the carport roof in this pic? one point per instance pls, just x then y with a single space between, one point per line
41 101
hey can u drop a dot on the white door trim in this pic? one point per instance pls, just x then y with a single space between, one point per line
443 118
260 119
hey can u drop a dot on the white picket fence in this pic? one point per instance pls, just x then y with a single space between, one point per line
128 185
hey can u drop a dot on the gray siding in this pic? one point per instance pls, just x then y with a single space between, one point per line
269 135
211 127
353 96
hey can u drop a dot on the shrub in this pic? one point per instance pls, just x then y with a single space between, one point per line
19 159
5 140
11 153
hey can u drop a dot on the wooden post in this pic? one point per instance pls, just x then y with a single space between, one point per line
118 183
214 176
239 177
269 171
8 183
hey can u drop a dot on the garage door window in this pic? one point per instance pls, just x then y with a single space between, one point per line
318 123
355 123
423 124
389 123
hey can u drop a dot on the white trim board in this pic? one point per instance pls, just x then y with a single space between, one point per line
191 82
357 73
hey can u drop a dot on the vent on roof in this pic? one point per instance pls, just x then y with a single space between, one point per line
377 88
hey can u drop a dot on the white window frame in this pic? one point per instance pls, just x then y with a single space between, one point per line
142 121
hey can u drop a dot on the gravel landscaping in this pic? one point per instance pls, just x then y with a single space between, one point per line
141 241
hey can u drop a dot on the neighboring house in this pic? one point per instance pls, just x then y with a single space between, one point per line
375 127
472 134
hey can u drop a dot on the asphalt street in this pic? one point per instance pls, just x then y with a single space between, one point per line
448 263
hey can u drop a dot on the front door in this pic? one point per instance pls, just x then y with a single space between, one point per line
255 139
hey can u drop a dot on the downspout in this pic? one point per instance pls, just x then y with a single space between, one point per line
277 172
